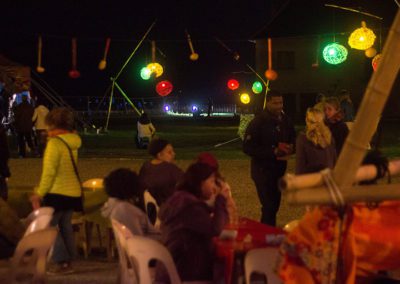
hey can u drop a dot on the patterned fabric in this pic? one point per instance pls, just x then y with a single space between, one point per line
370 243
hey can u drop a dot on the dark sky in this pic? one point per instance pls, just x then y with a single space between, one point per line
235 22
126 22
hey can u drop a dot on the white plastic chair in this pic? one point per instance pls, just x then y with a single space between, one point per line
39 223
149 199
38 212
30 256
121 233
141 250
262 261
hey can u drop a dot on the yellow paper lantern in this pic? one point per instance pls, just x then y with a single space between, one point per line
370 52
156 68
245 98
362 38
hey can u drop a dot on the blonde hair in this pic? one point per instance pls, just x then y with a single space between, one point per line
316 130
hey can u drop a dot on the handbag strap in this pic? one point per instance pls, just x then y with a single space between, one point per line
73 163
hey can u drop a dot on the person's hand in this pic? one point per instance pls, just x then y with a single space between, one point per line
35 200
224 189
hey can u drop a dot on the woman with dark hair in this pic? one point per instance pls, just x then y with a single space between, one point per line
188 224
60 186
160 175
334 120
125 203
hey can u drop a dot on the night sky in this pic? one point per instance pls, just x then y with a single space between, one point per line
235 22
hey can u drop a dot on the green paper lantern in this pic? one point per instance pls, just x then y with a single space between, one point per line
257 87
334 53
145 73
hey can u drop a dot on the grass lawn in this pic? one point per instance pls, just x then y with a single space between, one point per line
102 153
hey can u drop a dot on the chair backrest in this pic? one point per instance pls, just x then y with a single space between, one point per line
122 233
39 223
141 250
39 212
30 256
150 201
262 261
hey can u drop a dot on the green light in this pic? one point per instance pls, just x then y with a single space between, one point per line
257 87
145 73
334 53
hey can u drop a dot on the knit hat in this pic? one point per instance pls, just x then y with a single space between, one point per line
156 146
208 159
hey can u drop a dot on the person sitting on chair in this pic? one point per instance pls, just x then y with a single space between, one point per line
125 203
145 131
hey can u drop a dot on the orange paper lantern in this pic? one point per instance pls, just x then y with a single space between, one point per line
271 75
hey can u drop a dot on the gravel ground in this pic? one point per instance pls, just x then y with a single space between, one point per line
26 172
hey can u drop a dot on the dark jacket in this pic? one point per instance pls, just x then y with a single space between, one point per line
263 135
23 114
312 158
339 131
187 229
160 180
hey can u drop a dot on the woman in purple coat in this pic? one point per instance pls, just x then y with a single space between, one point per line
190 218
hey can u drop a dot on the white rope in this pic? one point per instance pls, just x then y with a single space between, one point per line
333 188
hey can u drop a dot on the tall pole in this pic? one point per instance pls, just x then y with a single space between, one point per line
110 104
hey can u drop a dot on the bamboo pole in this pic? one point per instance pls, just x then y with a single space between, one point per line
370 110
351 194
367 172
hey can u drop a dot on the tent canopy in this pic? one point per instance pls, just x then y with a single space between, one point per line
15 77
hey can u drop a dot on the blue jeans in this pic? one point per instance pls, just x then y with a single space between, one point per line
64 248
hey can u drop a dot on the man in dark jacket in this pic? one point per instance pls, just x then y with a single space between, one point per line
23 114
269 141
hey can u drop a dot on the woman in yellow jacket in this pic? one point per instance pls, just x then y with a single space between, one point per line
60 185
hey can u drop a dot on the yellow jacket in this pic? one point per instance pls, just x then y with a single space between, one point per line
58 175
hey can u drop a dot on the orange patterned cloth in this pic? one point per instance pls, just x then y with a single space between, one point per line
370 241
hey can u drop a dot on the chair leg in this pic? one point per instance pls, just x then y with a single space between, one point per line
99 235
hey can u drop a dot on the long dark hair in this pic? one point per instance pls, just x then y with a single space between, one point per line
144 119
193 178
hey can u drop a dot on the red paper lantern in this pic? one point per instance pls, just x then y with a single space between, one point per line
233 84
164 88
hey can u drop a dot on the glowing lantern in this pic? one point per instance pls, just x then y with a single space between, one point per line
362 38
145 73
233 84
375 61
155 68
334 53
164 88
271 75
245 98
370 52
257 87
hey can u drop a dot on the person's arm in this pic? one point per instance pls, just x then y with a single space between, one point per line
300 155
51 161
35 115
253 144
197 218
152 129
